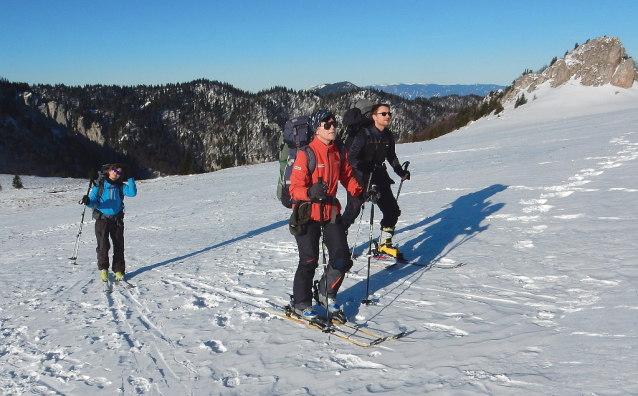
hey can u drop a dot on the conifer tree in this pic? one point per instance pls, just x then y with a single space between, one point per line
17 182
520 101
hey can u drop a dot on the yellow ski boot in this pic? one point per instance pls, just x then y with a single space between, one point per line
386 247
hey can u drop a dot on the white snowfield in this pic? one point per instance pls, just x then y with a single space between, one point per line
540 204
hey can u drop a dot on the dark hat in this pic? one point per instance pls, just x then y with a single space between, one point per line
317 117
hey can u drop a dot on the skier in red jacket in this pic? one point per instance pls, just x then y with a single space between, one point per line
320 188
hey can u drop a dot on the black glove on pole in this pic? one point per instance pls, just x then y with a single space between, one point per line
405 168
317 191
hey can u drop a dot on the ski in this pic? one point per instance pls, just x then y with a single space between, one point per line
124 283
107 287
393 261
351 333
387 336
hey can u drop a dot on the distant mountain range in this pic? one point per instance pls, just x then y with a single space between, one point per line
411 91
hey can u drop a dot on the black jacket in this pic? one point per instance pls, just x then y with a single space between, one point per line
370 149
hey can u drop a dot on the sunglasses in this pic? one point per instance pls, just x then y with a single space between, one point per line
385 113
116 171
328 125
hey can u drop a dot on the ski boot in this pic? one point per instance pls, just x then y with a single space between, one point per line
331 305
104 275
119 276
386 247
308 313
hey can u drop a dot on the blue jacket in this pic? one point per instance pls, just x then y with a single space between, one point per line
110 203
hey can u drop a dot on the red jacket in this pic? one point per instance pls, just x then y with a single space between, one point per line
332 168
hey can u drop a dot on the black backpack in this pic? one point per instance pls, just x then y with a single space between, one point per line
296 136
353 121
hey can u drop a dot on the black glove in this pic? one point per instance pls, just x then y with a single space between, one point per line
372 195
318 191
86 200
402 173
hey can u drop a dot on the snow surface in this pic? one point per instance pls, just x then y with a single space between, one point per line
539 204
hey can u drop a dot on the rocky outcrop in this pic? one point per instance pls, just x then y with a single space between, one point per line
62 120
93 133
625 74
598 62
57 113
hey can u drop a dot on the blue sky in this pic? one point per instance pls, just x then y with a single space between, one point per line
255 45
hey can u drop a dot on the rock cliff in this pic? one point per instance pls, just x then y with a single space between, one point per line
598 62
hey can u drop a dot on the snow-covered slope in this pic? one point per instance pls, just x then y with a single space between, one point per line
539 203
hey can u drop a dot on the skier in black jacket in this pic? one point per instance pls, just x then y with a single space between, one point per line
371 147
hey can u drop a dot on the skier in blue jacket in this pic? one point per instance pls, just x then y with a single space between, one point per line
108 212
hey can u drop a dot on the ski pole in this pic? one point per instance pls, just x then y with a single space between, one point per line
357 234
405 168
356 237
74 257
323 251
367 301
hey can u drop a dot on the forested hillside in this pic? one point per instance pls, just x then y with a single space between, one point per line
199 126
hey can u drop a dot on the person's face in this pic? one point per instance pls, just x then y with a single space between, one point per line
381 121
115 174
327 131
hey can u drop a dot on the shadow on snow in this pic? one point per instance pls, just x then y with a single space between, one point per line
462 218
184 257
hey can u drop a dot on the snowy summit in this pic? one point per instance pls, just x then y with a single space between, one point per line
537 203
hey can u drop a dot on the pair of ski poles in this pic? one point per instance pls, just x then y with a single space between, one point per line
367 300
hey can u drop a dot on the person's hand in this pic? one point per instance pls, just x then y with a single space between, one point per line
372 195
317 191
86 200
405 175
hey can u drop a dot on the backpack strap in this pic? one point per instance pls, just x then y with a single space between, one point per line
100 191
312 164
311 158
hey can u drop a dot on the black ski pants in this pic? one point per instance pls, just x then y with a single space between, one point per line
338 264
387 204
105 229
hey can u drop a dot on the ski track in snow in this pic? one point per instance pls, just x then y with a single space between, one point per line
538 205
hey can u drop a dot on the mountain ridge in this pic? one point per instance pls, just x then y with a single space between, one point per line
411 90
